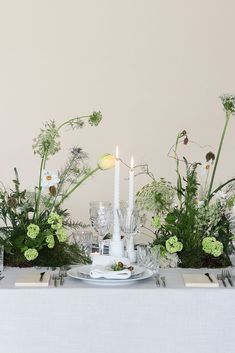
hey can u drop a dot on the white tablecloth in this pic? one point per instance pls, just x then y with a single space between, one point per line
138 318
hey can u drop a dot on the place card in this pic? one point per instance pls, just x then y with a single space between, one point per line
200 280
32 279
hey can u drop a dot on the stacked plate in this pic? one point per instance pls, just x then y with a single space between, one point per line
83 273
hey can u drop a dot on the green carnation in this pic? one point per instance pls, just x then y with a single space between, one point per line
173 245
55 220
156 222
212 246
31 254
33 230
61 235
50 241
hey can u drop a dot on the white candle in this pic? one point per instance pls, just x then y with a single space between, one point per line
116 203
131 187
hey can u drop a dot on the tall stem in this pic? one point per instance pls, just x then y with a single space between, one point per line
228 115
77 185
71 120
39 190
179 183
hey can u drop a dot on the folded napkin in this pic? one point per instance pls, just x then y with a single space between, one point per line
199 280
108 274
107 260
32 279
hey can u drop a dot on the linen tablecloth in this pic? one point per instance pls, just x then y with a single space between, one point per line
137 318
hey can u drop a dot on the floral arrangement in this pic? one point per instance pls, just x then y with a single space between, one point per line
193 222
34 226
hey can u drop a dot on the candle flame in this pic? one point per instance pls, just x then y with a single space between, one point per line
117 152
132 162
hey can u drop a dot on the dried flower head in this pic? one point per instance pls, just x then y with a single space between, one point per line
228 101
210 156
78 153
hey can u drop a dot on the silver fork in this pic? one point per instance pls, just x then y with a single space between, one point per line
163 279
220 278
227 274
157 280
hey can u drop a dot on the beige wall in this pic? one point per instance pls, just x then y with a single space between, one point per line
152 67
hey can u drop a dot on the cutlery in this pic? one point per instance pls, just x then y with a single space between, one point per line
54 278
226 274
157 281
208 275
41 276
163 279
1 277
61 279
220 278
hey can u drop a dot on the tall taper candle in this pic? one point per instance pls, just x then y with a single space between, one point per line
116 203
131 187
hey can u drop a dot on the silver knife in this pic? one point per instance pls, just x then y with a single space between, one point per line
208 276
41 276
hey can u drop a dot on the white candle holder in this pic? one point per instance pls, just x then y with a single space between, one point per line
116 248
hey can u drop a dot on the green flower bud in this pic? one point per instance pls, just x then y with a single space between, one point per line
32 231
31 254
212 246
106 161
61 235
55 220
173 245
50 241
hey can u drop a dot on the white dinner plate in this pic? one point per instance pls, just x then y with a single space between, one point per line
75 273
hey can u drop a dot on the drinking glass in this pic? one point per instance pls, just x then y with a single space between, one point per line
84 240
101 217
149 257
128 219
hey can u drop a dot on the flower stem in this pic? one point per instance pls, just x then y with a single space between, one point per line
228 115
69 192
37 205
179 182
71 120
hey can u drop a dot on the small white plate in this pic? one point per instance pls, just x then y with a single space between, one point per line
76 273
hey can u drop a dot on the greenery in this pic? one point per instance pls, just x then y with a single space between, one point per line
34 226
198 225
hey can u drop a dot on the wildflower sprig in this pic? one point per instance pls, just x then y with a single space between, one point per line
228 101
47 144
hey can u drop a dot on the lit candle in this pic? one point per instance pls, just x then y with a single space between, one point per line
116 203
131 187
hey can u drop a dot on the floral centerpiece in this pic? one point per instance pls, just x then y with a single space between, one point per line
193 222
34 225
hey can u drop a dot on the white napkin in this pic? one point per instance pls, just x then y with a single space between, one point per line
100 273
32 279
107 260
199 280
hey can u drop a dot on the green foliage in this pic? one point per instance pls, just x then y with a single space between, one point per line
33 225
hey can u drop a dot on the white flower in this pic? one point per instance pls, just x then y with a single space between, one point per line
19 210
200 203
169 260
49 179
220 195
30 215
204 168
